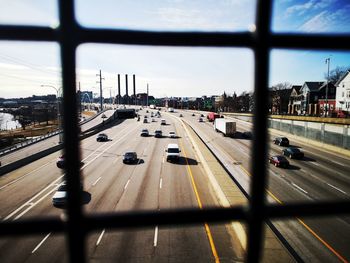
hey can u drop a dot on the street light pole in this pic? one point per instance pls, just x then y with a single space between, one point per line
58 111
328 61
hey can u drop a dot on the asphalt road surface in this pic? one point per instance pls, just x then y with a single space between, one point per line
109 185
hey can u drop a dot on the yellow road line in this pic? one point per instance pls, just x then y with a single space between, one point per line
340 257
207 229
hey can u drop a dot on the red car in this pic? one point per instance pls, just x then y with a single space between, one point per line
279 161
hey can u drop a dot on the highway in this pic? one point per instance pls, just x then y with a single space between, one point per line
155 184
47 143
109 185
321 175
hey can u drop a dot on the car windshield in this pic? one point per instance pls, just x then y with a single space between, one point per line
173 150
62 188
294 150
130 154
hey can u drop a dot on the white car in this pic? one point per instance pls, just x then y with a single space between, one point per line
60 197
172 134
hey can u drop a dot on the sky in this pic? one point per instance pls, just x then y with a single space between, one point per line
169 71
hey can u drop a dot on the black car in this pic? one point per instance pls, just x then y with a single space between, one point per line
293 153
281 141
61 162
158 134
279 161
130 157
102 137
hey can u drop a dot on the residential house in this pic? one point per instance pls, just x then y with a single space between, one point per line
326 99
279 100
294 105
343 93
308 97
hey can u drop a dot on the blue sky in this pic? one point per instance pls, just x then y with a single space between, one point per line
169 71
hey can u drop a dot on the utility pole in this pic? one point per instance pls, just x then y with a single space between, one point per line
126 87
100 81
147 95
118 89
79 100
328 61
134 85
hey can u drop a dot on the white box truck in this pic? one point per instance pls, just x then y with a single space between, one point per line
226 127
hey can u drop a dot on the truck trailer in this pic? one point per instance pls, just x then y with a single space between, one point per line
226 127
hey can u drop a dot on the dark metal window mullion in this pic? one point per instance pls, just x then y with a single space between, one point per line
75 230
259 152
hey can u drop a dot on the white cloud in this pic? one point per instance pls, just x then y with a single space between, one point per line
300 9
317 23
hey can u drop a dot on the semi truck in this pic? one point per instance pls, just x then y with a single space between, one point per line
226 127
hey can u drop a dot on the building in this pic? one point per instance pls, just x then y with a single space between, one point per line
294 104
343 94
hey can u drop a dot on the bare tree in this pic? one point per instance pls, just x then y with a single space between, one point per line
281 86
335 74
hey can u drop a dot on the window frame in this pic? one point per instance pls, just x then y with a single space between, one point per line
69 35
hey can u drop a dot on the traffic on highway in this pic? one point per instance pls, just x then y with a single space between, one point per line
169 160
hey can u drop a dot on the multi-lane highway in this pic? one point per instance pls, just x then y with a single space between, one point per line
155 184
321 175
109 185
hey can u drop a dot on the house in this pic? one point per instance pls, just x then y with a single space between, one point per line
343 94
294 104
279 100
326 99
308 98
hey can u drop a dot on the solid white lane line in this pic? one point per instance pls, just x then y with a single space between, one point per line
160 183
33 198
126 185
100 237
315 163
155 240
41 242
163 159
341 164
336 188
98 179
298 187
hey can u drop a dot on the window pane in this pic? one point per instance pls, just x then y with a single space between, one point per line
326 16
196 15
35 12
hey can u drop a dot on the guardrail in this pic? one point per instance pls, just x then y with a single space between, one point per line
25 143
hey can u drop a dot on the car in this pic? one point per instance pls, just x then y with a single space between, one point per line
144 132
102 137
60 196
103 116
293 153
172 134
181 115
200 119
147 111
163 122
158 134
152 114
145 120
172 152
60 162
130 157
193 114
153 120
279 161
202 115
281 141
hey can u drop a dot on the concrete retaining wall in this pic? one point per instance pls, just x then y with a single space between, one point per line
333 134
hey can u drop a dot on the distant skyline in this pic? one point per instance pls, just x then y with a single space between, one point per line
169 71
